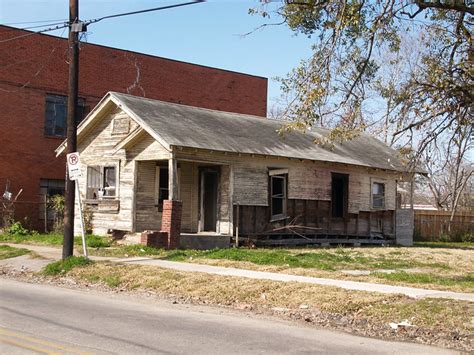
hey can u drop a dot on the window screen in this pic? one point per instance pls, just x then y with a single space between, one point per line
378 195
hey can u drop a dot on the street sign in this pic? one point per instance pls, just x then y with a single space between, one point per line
73 166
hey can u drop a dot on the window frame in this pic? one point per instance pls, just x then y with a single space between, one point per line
383 195
284 177
158 188
58 99
102 181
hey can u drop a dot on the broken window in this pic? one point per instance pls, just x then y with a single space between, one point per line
378 195
339 194
56 115
278 196
101 182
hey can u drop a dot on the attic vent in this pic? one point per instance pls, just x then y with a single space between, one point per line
120 125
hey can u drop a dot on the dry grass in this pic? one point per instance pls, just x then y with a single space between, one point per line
433 268
232 291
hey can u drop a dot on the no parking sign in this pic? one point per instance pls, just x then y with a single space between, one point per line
73 166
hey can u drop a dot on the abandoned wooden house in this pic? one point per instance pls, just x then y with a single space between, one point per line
181 173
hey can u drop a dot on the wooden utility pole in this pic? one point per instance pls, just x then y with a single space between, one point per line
73 44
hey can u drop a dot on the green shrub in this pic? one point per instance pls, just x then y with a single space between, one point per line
63 266
17 229
467 237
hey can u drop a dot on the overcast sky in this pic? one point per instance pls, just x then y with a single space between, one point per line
210 33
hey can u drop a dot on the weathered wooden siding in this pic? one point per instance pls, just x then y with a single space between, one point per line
189 196
225 202
147 148
316 215
97 149
306 180
147 216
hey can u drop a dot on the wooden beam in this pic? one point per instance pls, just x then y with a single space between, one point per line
173 177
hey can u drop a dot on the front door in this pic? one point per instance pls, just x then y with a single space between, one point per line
209 188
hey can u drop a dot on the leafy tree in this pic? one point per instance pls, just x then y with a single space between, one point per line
414 58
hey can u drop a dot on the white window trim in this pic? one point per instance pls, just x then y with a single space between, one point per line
102 167
284 177
384 183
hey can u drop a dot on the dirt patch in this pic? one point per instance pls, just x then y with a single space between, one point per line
444 323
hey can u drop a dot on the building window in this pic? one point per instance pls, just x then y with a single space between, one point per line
56 115
339 195
278 196
48 188
162 187
101 182
378 195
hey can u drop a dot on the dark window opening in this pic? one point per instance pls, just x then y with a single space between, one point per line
56 115
101 182
278 196
48 188
340 190
378 195
163 188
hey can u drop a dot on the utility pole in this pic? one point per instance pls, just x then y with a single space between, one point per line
73 43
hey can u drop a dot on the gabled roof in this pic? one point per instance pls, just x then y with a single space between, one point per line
192 127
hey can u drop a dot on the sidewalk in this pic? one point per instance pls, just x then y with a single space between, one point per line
55 253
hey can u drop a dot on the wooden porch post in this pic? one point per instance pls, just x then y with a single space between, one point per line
173 177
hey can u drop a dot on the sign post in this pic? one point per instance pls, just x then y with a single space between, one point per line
74 172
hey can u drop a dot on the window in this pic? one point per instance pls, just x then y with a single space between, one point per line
378 195
56 115
278 196
101 182
339 194
49 187
162 187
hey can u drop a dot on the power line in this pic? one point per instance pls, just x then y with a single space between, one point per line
28 22
36 32
37 26
142 11
60 25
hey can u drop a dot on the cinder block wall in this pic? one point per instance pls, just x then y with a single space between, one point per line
33 66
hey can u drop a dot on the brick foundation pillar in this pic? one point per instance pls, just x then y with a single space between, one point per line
171 222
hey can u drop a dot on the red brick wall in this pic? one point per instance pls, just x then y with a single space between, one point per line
32 66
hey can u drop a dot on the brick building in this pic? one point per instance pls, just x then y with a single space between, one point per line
33 85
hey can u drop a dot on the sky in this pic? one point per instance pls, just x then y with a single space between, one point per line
210 33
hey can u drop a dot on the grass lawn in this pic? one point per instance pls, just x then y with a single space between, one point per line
7 252
53 239
427 265
437 268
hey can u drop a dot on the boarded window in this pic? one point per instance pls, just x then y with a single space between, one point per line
101 182
278 196
56 115
378 195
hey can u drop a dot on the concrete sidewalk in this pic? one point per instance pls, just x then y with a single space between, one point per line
260 275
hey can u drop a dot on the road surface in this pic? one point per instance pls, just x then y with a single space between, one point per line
47 319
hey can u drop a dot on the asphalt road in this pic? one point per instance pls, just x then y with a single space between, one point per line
47 319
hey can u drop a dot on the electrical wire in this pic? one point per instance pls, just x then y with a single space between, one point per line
36 32
28 22
142 11
88 22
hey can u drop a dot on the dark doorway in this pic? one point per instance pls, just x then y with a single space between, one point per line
209 183
339 196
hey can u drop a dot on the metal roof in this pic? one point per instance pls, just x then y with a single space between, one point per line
193 127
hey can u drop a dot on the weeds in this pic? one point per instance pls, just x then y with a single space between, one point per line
7 252
66 265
